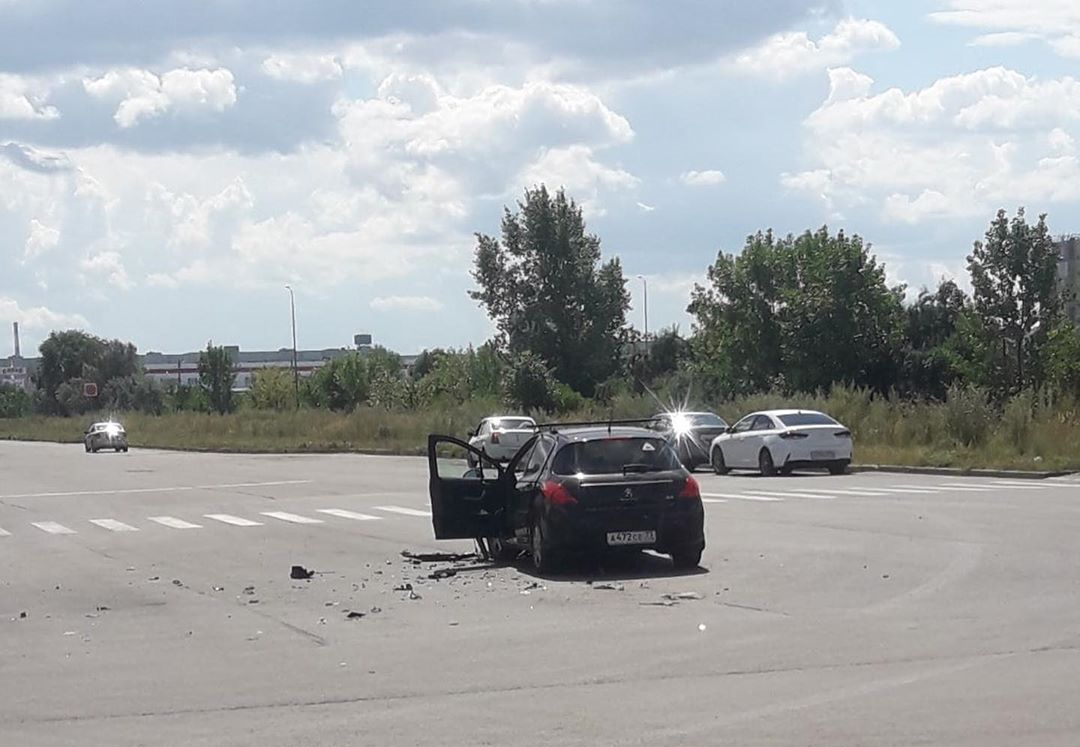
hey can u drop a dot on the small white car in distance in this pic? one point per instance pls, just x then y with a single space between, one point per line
501 437
774 441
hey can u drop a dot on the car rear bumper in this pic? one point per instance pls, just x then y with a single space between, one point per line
810 456
583 530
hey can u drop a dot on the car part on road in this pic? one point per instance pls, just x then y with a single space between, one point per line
300 573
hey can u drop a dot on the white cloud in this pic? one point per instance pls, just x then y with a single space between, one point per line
143 94
1055 21
646 208
303 68
108 266
707 178
24 98
1002 39
39 318
406 303
40 240
794 53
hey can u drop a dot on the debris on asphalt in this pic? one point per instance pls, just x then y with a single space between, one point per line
608 587
249 589
684 596
353 615
102 608
322 621
885 576
414 596
376 610
442 573
300 573
454 623
177 582
130 568
152 578
701 627
660 603
403 587
437 557
253 601
331 604
22 615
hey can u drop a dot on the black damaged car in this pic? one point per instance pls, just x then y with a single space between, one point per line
570 490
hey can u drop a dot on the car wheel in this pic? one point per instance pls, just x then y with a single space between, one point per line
765 464
542 556
838 468
719 466
501 551
687 557
87 447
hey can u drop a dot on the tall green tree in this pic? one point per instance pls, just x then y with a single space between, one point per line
548 291
1015 292
931 341
799 313
343 384
74 357
216 377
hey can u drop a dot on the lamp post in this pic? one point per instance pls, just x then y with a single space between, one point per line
295 370
645 307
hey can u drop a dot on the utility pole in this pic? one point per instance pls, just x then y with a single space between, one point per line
645 305
295 370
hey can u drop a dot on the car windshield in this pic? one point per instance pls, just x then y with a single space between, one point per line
608 456
513 424
706 419
807 418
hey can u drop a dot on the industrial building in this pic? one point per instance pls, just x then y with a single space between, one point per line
1068 273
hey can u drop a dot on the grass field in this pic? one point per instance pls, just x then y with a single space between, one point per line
966 431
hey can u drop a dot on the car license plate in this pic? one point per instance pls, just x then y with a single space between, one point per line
632 538
821 455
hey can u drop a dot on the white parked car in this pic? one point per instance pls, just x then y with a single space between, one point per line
783 440
500 437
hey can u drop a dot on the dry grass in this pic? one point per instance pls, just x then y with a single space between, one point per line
965 432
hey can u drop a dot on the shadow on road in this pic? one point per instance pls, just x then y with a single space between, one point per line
630 566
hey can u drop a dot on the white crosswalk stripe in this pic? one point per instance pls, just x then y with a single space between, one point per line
1002 484
234 520
714 500
789 494
4 533
291 518
845 492
343 514
742 497
174 523
963 489
402 511
52 527
909 491
113 525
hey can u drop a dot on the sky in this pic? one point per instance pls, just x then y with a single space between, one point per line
167 168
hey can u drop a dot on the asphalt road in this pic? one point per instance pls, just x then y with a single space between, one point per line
145 599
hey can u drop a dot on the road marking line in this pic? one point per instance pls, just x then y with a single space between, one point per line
403 511
858 493
4 533
173 523
173 489
827 497
963 489
342 513
999 485
714 500
52 527
234 520
113 525
292 518
741 497
910 491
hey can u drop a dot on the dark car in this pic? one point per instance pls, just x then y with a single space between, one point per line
570 491
107 435
690 433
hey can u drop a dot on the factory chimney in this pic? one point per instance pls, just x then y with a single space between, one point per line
15 327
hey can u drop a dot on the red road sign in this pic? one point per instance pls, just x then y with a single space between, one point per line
89 389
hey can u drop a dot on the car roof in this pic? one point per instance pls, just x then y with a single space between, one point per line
104 422
509 417
595 433
685 412
778 413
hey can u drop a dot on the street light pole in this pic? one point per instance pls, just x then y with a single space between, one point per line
295 370
645 305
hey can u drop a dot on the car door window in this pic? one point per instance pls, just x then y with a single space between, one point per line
743 425
534 463
763 423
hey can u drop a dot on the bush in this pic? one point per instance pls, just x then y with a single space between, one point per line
14 402
529 384
273 389
567 400
968 415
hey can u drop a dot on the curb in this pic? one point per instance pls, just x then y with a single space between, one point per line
959 471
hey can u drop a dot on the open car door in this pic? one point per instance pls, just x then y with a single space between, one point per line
466 502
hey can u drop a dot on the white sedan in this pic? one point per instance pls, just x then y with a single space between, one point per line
501 437
774 441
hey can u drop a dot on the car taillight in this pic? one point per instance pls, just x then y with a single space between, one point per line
843 434
494 437
690 489
556 494
793 434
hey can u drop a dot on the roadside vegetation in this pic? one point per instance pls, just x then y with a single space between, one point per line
990 379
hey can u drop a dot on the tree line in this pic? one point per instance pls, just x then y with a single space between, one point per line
792 314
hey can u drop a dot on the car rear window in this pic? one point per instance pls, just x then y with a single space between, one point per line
513 424
608 456
807 418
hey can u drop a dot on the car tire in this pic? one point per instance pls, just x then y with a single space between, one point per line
500 551
838 468
87 447
543 558
719 466
766 464
686 558
785 471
